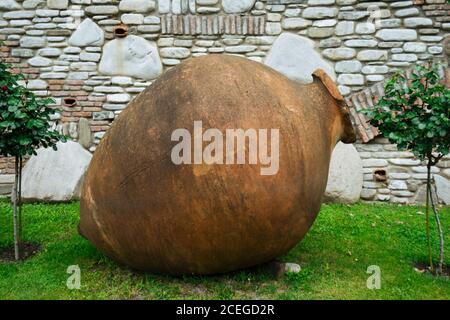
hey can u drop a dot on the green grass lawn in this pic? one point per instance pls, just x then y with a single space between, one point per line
334 257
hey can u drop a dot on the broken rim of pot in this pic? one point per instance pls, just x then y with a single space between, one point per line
69 101
121 31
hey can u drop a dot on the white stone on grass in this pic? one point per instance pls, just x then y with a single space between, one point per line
443 188
132 56
290 267
345 177
295 57
55 175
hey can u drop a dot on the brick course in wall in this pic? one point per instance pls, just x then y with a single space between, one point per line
364 41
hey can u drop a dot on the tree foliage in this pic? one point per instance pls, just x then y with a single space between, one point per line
24 119
415 114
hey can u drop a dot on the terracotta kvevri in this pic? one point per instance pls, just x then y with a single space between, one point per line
145 210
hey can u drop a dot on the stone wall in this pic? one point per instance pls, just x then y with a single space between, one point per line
75 48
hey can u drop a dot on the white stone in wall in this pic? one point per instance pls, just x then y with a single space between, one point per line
418 22
361 43
32 4
49 52
350 66
375 69
292 12
88 33
6 5
164 6
131 56
90 56
176 6
137 5
57 4
55 175
350 79
319 12
32 42
100 10
37 84
345 177
375 78
295 57
344 28
325 23
40 62
339 53
273 28
435 49
132 18
237 6
365 28
372 55
296 23
442 188
175 52
118 98
396 34
406 57
415 47
407 12
320 2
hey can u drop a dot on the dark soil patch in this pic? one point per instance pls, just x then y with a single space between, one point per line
425 268
28 249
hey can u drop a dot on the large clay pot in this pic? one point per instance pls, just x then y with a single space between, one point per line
145 211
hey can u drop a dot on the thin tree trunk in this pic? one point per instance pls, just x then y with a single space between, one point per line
15 200
441 235
20 204
427 214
